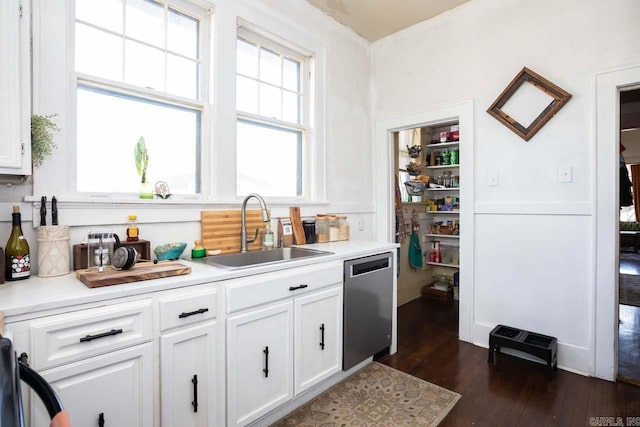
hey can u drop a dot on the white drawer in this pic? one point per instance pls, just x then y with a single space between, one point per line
65 338
185 309
264 288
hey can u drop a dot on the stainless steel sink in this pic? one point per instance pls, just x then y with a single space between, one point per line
257 258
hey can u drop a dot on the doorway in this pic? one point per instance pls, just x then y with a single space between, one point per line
629 248
609 85
385 169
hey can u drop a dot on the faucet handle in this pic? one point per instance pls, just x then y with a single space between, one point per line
253 239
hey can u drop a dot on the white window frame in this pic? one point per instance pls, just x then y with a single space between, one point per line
305 58
203 103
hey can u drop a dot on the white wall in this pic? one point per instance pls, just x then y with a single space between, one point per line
346 125
534 237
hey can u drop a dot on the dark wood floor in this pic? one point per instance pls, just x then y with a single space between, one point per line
629 344
514 392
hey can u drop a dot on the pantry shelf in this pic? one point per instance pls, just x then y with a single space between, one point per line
442 212
446 236
443 166
441 264
444 189
442 145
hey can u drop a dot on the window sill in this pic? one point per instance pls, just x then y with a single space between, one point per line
92 211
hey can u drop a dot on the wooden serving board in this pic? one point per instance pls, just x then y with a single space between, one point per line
141 271
296 225
221 229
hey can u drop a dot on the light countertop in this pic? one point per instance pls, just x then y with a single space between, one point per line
38 294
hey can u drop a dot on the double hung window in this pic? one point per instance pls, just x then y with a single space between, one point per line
272 130
139 72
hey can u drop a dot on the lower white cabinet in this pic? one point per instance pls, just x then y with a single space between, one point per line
318 337
114 389
259 362
187 376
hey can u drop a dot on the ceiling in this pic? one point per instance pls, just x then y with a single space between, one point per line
375 19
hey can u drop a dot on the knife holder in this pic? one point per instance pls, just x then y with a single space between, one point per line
54 253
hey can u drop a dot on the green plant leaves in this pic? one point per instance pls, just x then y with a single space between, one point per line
42 145
142 158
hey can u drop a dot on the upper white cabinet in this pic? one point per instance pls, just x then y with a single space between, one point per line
15 79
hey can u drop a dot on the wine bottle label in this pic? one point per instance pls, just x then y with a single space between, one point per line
20 266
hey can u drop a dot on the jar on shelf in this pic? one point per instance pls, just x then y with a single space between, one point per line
334 229
343 226
322 228
455 181
446 181
446 157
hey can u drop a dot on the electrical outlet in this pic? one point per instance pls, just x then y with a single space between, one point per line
360 224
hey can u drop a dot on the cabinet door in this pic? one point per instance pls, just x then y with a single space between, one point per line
187 376
259 362
15 71
115 389
318 337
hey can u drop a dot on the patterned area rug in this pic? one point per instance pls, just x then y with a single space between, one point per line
376 396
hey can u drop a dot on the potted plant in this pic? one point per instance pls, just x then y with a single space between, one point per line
42 145
142 162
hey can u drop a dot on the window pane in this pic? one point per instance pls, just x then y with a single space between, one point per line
270 101
270 67
247 95
291 75
145 21
290 107
144 66
182 77
247 58
182 34
269 160
105 13
105 151
98 53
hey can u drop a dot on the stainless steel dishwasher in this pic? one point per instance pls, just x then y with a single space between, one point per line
368 307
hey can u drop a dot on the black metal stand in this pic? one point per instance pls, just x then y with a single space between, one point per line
538 345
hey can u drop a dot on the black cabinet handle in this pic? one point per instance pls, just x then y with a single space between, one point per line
266 362
194 402
192 313
102 335
101 419
322 336
293 288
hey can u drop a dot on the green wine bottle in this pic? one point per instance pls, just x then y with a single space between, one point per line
17 258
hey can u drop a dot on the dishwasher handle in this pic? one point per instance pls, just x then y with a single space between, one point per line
364 267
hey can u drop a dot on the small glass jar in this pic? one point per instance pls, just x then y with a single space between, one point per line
322 229
132 229
343 226
334 230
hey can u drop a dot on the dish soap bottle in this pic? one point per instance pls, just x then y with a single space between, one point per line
268 239
17 258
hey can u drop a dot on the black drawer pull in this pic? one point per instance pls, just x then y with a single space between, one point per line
266 362
192 313
293 288
322 336
101 419
102 335
194 402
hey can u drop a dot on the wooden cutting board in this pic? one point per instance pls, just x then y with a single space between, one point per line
142 271
296 225
221 229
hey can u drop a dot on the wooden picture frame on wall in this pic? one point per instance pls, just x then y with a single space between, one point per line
559 97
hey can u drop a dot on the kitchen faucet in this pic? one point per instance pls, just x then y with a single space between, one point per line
243 213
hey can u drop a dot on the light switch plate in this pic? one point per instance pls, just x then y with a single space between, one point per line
565 174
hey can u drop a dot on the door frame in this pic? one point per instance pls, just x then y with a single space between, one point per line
609 84
385 193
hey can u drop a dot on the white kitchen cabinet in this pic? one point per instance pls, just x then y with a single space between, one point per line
187 376
276 337
318 337
114 389
259 362
15 79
